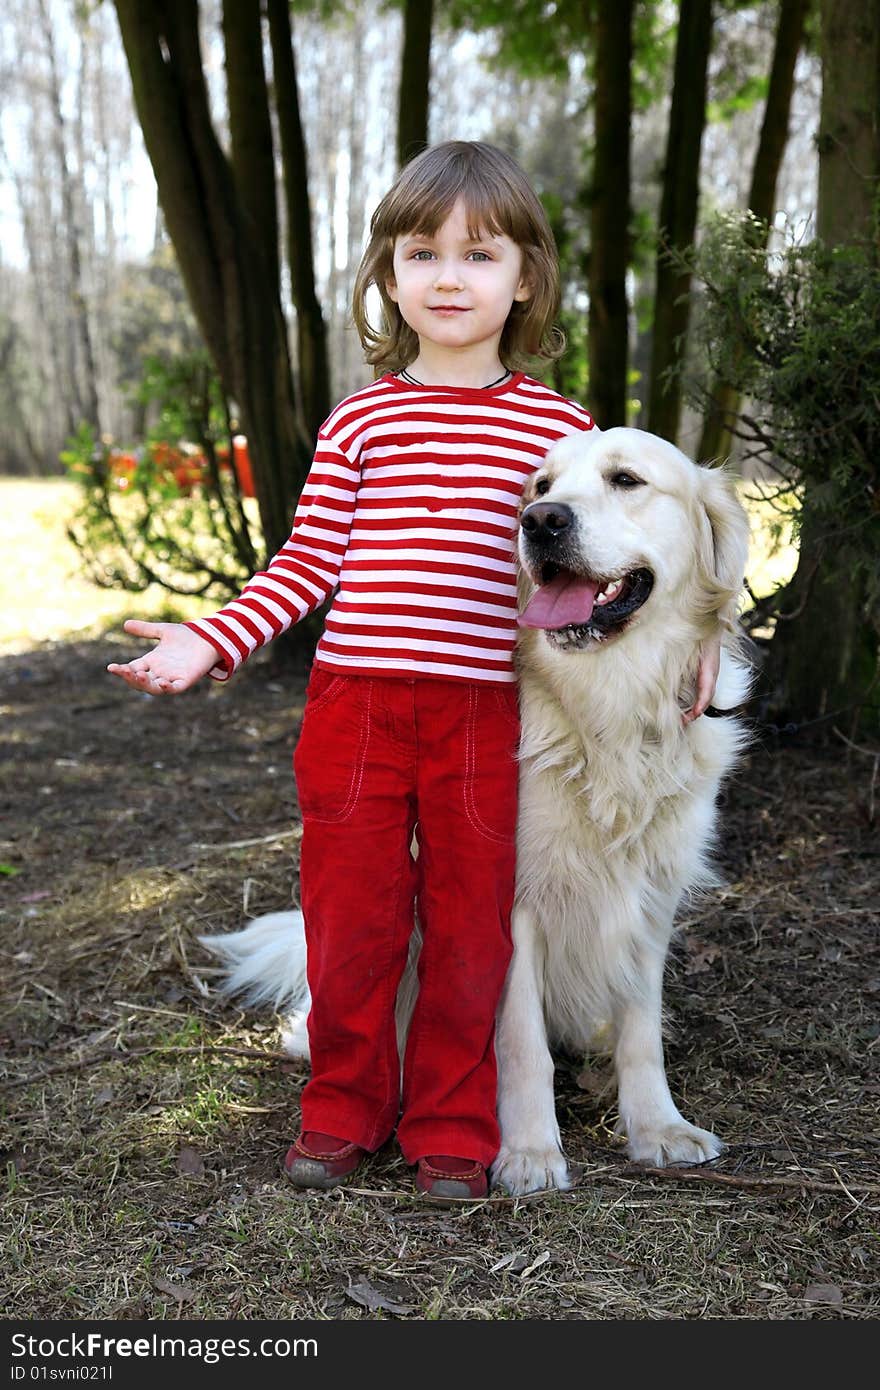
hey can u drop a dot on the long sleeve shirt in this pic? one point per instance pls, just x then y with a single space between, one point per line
409 514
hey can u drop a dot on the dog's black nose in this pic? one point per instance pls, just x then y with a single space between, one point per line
545 520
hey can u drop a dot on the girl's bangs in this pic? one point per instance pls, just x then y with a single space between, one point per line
490 209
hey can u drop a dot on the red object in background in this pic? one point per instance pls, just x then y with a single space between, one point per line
122 467
242 461
187 469
187 472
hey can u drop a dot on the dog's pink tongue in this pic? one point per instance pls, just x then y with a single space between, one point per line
566 599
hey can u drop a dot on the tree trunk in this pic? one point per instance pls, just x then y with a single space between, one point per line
52 383
609 215
678 212
83 372
716 437
253 157
415 79
311 331
234 296
825 659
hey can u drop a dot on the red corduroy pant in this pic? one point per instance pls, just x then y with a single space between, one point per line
377 759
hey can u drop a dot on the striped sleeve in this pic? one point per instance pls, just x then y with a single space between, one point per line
304 572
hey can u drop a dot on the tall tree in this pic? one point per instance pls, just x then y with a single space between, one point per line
216 209
715 439
311 331
69 131
828 654
609 213
415 79
82 367
678 212
57 397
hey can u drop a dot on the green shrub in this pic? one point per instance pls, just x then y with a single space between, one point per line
797 334
170 512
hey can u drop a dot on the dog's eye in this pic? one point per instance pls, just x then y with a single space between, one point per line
542 486
626 480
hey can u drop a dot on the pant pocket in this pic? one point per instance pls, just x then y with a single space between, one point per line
491 771
331 751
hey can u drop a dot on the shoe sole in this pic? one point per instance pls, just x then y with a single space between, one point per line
306 1172
430 1199
448 1187
448 1192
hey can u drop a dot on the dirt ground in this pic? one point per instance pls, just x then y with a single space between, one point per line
144 1120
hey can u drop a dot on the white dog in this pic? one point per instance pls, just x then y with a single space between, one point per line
631 557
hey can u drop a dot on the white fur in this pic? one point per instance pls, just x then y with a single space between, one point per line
265 963
617 796
617 807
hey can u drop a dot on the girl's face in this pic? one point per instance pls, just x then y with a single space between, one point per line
456 292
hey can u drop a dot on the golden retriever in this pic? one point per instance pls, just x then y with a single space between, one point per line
631 557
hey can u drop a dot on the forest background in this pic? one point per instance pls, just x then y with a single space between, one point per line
681 151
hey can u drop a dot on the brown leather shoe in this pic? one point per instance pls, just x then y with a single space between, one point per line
321 1160
439 1175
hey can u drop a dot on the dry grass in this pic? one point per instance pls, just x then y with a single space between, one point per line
144 1122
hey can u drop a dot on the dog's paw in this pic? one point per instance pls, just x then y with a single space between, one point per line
531 1170
673 1145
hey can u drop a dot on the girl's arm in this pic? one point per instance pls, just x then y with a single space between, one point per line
298 579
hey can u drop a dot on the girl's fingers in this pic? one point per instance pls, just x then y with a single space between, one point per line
127 669
142 629
175 663
140 678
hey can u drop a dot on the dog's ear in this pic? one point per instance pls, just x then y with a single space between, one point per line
724 542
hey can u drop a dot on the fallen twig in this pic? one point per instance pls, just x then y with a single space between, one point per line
294 832
746 1180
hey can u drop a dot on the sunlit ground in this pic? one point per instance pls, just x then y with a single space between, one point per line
45 595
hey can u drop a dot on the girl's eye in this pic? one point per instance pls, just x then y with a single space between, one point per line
626 480
480 256
422 255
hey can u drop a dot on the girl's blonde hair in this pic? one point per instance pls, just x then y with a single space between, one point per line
500 201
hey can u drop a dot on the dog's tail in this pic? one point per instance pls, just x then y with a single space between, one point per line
265 963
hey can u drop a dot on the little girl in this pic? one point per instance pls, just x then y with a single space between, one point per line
411 722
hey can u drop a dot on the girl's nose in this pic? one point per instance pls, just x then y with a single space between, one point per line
447 275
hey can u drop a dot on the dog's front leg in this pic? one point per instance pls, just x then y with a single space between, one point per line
531 1157
658 1135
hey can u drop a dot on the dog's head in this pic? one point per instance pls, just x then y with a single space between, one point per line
621 526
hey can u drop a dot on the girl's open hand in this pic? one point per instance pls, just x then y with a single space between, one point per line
179 659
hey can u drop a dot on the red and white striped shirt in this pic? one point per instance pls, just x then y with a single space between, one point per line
410 509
